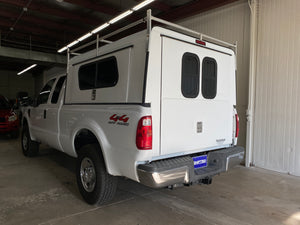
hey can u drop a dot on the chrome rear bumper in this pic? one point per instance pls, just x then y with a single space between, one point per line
181 170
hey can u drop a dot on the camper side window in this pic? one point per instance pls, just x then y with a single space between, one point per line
190 73
209 78
87 76
99 74
107 73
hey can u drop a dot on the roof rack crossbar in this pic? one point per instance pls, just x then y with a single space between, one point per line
104 38
123 28
192 32
83 46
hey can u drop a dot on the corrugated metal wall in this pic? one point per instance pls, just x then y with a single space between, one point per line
230 23
276 144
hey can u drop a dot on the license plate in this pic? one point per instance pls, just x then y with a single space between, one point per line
200 161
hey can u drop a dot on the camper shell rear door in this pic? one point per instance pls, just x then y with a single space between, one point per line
197 97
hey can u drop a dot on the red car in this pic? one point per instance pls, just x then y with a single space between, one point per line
9 122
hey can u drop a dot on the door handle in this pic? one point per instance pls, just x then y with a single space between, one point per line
45 113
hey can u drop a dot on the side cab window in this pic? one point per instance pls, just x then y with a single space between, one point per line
45 92
57 89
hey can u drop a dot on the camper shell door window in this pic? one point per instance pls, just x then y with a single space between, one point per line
209 78
100 74
190 73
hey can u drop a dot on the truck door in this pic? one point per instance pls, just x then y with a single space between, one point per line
38 114
52 114
196 98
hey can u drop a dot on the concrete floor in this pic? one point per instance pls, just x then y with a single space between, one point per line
42 190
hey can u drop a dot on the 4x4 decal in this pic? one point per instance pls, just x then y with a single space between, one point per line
120 120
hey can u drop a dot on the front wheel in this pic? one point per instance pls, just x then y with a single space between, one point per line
30 148
95 184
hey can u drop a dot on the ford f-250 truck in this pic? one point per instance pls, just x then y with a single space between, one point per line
157 107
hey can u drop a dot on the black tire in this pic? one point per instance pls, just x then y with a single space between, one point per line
95 184
15 134
30 148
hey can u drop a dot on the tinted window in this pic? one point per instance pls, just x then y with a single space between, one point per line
209 78
87 76
45 92
190 75
57 89
100 74
4 104
107 73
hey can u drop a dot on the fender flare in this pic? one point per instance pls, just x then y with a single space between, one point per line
97 131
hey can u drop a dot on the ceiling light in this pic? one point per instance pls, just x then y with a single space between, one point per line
141 5
28 68
103 26
73 43
62 49
85 37
100 28
121 16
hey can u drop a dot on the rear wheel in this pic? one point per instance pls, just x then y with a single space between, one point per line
30 148
95 184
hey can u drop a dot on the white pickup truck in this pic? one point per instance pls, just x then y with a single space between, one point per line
157 107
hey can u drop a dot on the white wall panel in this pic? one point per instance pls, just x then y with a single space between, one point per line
230 23
276 144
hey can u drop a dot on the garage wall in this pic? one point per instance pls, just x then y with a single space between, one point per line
230 23
276 144
10 83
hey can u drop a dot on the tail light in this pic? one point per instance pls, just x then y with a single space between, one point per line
237 125
144 133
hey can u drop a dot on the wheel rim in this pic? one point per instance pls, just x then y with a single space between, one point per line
88 174
25 142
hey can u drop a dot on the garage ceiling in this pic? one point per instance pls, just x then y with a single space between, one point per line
48 25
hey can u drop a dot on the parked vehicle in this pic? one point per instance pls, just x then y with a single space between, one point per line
157 107
9 122
22 100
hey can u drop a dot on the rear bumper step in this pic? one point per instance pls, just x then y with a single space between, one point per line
181 170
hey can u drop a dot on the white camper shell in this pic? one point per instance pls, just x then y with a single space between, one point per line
158 106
